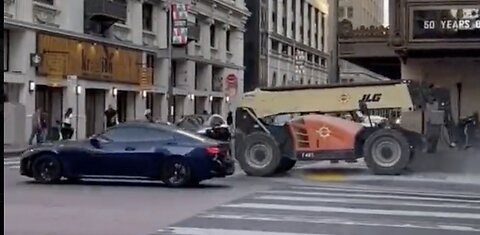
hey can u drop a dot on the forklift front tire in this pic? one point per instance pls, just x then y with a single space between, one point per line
387 152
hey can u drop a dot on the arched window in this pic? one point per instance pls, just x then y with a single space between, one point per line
284 79
274 79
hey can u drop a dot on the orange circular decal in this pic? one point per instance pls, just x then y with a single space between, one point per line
323 132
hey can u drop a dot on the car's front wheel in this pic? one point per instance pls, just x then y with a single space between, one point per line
177 173
47 169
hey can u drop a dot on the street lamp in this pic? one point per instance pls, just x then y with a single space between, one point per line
31 86
143 94
114 91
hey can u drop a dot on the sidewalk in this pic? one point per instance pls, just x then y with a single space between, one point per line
13 150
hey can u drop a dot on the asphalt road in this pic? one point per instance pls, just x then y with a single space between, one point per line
109 207
284 205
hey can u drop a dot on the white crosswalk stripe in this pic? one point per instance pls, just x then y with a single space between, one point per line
304 210
12 163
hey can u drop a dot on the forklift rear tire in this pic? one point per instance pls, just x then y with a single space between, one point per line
286 164
387 152
260 155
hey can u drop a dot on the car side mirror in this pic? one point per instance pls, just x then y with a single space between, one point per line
95 142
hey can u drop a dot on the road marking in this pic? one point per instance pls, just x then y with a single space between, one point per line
335 221
211 231
325 177
10 163
356 210
344 195
366 202
373 190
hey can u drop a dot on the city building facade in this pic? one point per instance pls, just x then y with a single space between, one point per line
436 42
362 13
286 43
58 55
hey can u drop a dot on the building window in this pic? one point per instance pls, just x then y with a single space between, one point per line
49 2
350 12
228 40
6 49
275 45
284 82
274 79
147 14
285 49
323 31
212 35
341 12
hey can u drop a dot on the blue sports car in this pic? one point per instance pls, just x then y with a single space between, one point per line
132 150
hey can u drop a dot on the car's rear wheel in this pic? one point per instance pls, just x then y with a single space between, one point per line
260 156
177 173
47 169
387 152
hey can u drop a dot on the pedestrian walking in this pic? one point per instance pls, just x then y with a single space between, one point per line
67 129
43 128
36 126
111 116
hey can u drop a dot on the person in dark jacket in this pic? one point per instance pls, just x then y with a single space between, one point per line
111 116
229 118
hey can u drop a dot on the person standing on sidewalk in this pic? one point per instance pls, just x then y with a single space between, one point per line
36 126
149 116
43 128
111 116
67 129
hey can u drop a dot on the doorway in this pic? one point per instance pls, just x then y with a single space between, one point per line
50 100
94 109
122 98
216 105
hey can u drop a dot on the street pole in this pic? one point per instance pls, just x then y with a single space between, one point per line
333 75
170 60
76 107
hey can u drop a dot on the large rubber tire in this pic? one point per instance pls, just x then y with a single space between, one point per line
239 142
250 159
177 173
47 169
387 152
286 164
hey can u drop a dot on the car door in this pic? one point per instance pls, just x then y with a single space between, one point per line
133 151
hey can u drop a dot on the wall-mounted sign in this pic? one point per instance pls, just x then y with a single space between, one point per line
231 85
65 56
180 24
452 23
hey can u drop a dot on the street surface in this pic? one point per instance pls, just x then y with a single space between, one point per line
305 210
108 207
320 198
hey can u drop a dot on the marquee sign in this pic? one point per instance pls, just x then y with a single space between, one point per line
452 23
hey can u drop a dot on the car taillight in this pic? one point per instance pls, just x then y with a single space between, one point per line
213 151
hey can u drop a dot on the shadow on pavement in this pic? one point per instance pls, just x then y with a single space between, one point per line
448 161
143 184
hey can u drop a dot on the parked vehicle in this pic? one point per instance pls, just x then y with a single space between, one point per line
134 149
213 126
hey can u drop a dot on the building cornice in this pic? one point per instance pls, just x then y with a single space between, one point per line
54 30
